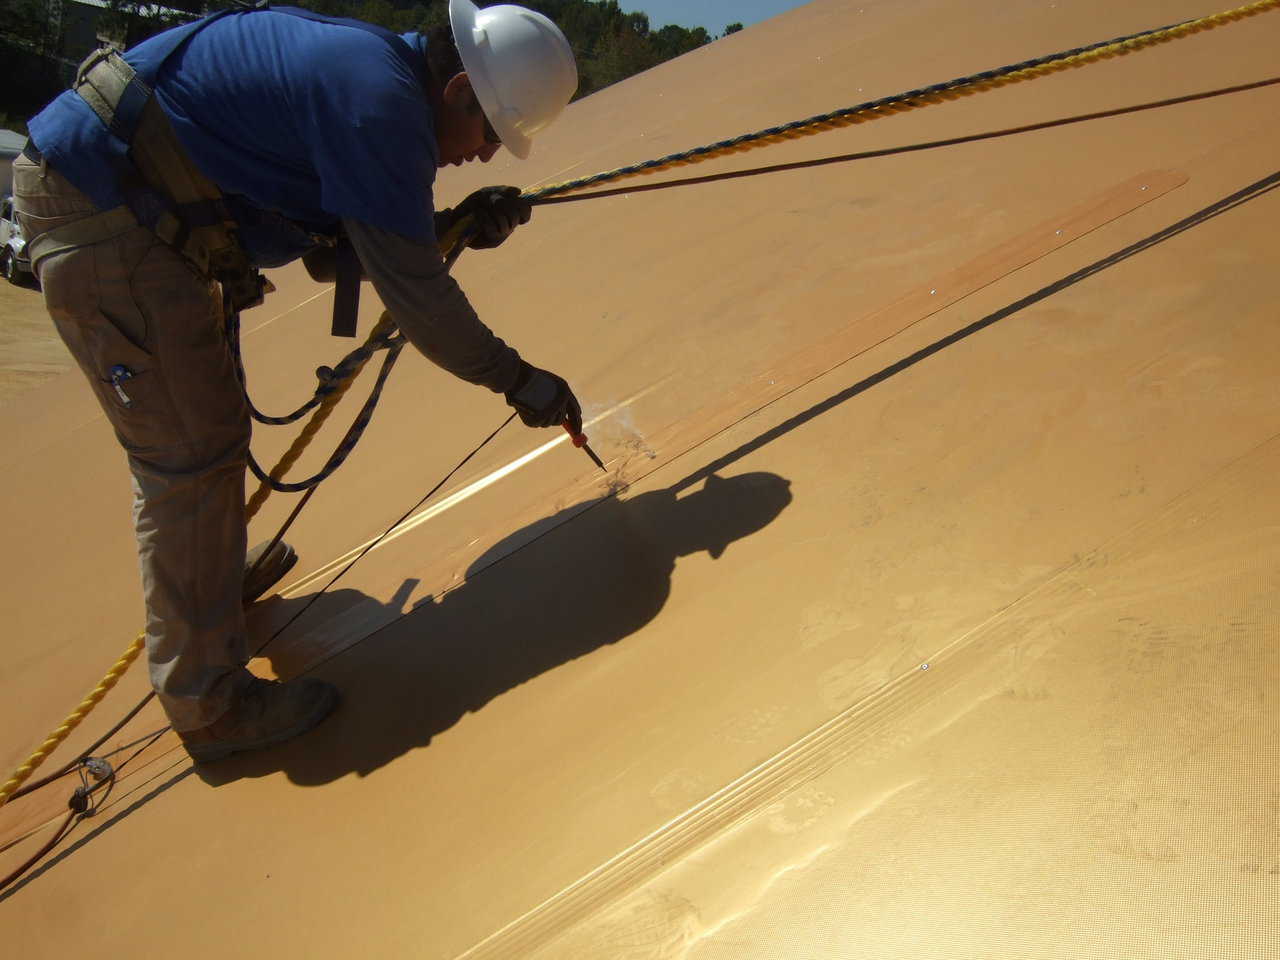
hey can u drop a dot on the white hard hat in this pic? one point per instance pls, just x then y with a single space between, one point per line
520 65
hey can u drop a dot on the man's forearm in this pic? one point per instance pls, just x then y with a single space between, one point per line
430 308
322 262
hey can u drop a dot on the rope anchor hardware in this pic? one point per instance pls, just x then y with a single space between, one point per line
98 768
102 774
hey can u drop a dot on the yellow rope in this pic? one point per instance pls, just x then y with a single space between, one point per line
50 744
863 115
318 417
384 326
317 420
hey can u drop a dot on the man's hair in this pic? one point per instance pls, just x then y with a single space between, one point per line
442 56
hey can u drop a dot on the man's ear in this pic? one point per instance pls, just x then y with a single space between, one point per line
457 92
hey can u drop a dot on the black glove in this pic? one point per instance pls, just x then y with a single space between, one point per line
497 212
544 400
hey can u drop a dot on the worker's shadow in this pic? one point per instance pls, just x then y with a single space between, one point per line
584 584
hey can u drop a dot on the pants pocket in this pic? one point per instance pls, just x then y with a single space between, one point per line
130 393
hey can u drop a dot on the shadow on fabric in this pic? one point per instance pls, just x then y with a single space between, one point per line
577 587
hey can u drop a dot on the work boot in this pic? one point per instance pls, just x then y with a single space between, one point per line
265 712
261 573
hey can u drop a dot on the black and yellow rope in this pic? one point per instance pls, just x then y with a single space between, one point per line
915 99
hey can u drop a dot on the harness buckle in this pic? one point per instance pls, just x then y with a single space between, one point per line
245 290
92 60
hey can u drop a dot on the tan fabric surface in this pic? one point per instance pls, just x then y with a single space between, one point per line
611 738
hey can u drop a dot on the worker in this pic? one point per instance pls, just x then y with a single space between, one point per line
154 190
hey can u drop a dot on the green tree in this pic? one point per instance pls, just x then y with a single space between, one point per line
621 54
28 25
611 45
732 28
131 21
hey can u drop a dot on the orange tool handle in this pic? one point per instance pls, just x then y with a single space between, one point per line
579 439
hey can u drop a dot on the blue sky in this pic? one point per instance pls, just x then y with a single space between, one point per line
712 14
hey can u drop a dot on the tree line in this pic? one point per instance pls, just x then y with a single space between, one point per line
608 43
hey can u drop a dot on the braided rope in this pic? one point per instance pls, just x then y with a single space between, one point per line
331 378
380 333
915 99
57 736
344 375
328 395
384 335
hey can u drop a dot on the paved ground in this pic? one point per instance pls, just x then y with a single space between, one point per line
30 351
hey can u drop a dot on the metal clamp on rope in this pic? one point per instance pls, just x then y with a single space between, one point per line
98 768
79 802
244 288
102 773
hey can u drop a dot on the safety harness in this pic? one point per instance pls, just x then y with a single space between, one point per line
166 193
164 190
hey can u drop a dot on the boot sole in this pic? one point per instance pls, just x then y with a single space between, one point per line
268 571
208 753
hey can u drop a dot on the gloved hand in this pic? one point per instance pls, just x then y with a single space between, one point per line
544 400
497 212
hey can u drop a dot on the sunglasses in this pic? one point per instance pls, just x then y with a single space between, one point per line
490 135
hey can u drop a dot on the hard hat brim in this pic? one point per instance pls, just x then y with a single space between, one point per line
462 19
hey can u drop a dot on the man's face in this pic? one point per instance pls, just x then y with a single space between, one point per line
462 132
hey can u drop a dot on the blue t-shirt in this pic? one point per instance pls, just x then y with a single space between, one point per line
300 123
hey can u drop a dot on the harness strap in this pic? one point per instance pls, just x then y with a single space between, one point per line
168 195
114 91
81 233
346 291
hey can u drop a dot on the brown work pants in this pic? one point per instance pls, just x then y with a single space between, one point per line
181 418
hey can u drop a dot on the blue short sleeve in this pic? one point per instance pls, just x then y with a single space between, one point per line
370 136
301 118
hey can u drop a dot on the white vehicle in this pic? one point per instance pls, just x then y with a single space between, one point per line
14 262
